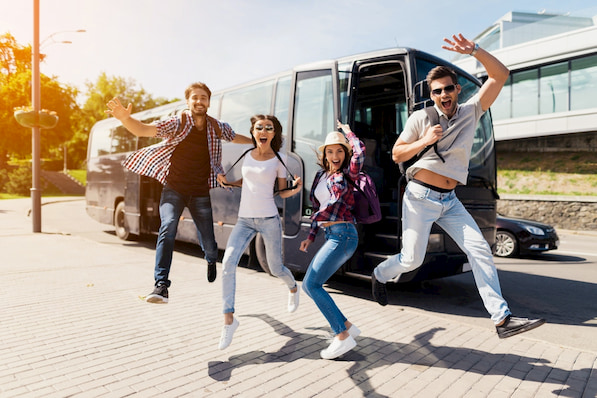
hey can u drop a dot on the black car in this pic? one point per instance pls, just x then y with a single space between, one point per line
517 236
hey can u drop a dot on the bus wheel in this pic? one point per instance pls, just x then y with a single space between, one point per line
260 253
122 230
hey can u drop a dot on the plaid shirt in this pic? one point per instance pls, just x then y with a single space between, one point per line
154 161
341 198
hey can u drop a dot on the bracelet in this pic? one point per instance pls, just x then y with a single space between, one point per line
475 49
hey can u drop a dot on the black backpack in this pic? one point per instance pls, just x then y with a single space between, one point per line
433 117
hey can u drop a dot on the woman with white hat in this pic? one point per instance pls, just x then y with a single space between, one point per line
341 156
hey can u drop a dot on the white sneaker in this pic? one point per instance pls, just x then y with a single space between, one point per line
227 333
354 331
338 347
293 300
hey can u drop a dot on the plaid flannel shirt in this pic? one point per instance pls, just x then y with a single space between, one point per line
341 201
154 161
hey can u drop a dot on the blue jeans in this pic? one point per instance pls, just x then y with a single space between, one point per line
422 207
172 205
341 242
240 237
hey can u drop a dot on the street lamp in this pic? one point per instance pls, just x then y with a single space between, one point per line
36 104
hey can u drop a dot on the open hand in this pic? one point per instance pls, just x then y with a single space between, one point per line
459 44
117 110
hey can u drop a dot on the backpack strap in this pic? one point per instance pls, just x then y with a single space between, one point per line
216 126
289 173
239 159
433 117
283 164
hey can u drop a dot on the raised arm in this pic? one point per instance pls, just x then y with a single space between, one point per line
497 73
133 125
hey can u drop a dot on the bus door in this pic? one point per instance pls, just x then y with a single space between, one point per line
377 111
313 114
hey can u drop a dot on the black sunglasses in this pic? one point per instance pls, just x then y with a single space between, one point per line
447 89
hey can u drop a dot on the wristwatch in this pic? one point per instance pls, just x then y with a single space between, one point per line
475 50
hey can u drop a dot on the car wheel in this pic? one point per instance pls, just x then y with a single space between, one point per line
505 244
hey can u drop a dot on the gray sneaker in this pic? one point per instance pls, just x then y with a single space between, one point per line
159 295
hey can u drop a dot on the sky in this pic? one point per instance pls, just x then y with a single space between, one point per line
166 45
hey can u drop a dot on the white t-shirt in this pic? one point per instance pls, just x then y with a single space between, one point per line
259 178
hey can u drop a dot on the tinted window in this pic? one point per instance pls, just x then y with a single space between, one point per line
238 106
282 104
525 92
313 119
553 88
583 77
100 141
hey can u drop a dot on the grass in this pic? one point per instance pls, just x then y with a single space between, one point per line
80 175
547 173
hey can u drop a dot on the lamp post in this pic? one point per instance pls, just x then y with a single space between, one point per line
35 136
35 129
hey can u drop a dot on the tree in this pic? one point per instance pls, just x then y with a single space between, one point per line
15 91
98 94
74 122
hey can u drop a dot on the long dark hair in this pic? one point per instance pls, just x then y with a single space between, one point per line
276 142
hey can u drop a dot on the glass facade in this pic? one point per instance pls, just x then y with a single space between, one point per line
558 87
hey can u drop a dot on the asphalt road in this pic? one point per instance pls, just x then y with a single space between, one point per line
560 285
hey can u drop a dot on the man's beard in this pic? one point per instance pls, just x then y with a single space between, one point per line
199 111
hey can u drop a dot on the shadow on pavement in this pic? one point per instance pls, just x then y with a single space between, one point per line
420 352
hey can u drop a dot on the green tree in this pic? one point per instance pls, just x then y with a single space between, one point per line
98 94
15 91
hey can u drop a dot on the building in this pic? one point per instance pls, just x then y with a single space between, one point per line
550 100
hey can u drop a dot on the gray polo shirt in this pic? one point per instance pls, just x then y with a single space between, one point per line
454 146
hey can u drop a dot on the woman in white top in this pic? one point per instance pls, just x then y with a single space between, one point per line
258 213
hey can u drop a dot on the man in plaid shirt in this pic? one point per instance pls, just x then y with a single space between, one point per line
187 163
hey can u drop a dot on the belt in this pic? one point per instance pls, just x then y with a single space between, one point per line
432 187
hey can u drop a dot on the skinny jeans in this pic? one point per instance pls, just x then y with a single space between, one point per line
341 242
240 237
172 205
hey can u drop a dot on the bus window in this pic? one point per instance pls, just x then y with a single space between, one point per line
313 119
100 142
282 104
344 72
238 106
214 106
122 140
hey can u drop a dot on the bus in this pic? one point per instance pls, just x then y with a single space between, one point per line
373 92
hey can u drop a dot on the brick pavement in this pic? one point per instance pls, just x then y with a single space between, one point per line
73 325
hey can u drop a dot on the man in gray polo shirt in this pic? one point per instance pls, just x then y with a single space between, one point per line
429 195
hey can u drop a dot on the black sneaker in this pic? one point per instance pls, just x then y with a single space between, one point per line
513 326
159 295
380 293
211 272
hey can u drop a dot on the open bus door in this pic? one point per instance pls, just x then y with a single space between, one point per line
313 114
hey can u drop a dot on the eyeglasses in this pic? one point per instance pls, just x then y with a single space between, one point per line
269 129
447 89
